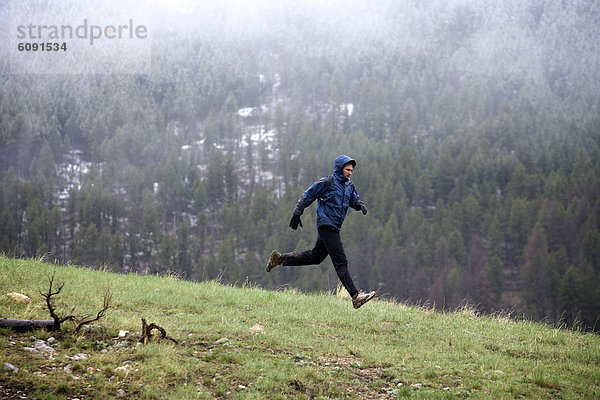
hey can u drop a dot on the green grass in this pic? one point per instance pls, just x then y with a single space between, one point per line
310 346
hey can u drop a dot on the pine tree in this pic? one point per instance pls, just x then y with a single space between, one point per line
590 250
184 262
571 295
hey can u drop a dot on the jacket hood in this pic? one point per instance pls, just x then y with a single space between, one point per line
340 161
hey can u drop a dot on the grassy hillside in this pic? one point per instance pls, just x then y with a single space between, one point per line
252 343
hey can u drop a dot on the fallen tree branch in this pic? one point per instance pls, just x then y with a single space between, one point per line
84 320
48 296
147 332
24 325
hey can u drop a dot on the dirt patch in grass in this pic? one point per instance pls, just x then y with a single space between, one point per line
366 375
10 390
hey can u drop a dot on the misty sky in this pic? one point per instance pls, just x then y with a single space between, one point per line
483 37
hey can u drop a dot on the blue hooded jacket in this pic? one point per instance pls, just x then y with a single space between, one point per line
335 194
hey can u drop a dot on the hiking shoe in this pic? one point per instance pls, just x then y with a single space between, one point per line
361 298
274 260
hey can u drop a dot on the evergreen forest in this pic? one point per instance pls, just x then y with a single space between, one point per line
475 126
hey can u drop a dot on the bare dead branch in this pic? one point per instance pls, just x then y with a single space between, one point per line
24 325
51 308
48 296
84 320
55 323
147 332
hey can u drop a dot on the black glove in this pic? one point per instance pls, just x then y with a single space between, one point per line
360 206
363 208
295 221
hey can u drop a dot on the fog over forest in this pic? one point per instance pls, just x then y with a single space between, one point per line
475 126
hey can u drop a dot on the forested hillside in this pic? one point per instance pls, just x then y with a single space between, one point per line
475 125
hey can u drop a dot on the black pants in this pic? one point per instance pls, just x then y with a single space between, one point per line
328 243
